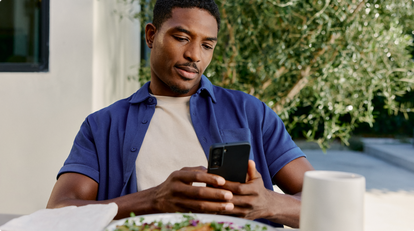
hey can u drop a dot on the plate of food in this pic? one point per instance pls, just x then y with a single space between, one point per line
187 222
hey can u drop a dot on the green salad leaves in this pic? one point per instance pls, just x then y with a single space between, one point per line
187 223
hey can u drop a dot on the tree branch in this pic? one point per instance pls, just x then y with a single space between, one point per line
300 84
305 73
320 12
359 7
279 73
232 43
291 3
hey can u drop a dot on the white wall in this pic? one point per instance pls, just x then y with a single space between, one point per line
116 51
40 113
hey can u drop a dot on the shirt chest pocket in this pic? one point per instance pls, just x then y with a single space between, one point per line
237 135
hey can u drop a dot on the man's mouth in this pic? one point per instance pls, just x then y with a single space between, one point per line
187 72
188 69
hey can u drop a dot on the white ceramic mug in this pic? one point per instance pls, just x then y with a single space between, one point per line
332 201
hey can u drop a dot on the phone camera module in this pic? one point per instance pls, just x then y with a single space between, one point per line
217 157
217 152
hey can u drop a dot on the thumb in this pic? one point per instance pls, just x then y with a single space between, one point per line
251 171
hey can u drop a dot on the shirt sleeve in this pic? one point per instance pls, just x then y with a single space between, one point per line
279 147
83 155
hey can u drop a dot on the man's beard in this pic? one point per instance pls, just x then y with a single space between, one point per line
176 89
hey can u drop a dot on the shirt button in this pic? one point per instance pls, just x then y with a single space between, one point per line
145 121
133 149
204 139
150 100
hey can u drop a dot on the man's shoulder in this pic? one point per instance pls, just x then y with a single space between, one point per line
117 112
119 107
224 94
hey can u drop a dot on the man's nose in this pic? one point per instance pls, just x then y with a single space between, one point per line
193 52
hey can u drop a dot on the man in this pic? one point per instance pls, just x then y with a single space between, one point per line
140 152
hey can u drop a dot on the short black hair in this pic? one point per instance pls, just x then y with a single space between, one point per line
163 9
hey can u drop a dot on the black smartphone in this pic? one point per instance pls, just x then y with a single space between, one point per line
229 160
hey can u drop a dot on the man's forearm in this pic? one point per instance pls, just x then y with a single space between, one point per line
176 194
284 209
139 203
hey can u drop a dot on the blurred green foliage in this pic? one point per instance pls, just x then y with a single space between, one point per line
385 125
320 64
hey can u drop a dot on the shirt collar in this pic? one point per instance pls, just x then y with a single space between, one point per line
143 93
207 86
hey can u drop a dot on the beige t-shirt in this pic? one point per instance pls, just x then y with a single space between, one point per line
169 144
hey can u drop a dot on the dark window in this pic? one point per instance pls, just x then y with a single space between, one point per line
24 35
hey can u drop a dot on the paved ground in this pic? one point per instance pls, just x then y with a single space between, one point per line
389 198
391 151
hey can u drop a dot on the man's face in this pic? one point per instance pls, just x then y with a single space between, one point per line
181 50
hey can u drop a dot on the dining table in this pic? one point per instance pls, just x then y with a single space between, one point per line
4 218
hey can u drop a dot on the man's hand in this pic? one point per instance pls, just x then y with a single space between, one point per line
251 200
177 194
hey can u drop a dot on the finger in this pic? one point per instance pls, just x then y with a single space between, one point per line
233 187
240 189
189 176
198 168
245 201
251 171
237 212
203 193
203 206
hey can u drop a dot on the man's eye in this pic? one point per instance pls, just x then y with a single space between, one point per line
208 47
181 39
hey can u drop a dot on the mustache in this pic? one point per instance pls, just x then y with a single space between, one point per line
192 65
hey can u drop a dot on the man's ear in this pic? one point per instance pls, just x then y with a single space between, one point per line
150 31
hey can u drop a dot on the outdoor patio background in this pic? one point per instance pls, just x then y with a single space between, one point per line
42 112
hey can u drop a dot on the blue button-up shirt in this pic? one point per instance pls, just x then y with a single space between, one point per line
109 140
